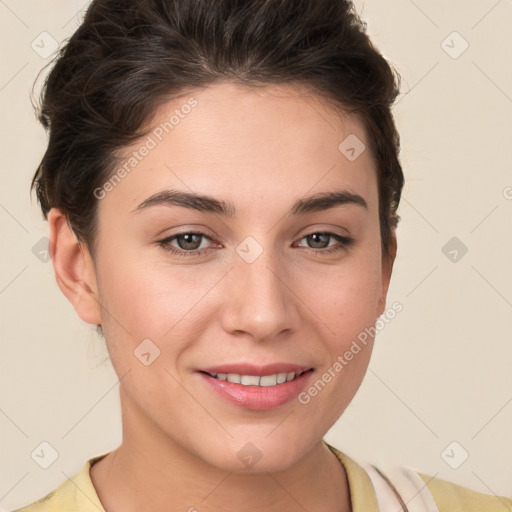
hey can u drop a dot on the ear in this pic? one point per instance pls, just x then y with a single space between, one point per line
388 259
74 268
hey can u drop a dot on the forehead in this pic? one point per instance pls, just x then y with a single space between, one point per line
255 143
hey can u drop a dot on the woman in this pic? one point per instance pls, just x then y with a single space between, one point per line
221 185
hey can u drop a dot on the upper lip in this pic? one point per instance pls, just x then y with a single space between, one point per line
253 369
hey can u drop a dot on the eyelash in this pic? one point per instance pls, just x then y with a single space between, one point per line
345 242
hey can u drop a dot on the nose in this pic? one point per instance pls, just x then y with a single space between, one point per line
259 299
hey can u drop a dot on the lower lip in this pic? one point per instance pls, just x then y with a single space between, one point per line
257 397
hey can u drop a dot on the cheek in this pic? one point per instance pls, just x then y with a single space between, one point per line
156 301
345 305
345 296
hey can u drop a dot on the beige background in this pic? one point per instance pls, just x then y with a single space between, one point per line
440 371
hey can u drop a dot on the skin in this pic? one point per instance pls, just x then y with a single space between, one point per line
261 149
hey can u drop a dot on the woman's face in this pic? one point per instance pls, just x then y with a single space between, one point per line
253 285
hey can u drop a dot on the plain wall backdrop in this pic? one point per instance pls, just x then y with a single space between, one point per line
439 386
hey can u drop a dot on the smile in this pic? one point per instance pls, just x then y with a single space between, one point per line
257 392
256 380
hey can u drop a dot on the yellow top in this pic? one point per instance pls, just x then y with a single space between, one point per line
79 495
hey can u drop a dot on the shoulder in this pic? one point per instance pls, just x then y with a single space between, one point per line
387 487
58 500
438 495
76 494
454 497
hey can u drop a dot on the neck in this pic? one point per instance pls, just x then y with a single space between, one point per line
151 471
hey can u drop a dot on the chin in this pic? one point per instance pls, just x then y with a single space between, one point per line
258 456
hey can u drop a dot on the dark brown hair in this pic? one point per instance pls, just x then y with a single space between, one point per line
130 56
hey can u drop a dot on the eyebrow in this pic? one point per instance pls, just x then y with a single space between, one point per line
315 203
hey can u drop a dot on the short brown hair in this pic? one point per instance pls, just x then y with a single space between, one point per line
130 56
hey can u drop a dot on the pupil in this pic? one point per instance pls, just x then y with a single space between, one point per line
316 235
188 240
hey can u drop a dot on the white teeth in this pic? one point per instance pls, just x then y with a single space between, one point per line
250 380
255 380
281 377
268 380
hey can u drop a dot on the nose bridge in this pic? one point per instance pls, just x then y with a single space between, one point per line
258 301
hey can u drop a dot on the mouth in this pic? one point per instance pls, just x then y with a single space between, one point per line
257 392
274 379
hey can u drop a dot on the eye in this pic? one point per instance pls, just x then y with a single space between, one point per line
190 244
320 238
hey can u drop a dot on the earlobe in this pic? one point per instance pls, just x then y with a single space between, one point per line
74 269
